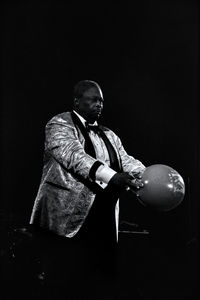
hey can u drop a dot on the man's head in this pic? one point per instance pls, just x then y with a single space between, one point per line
88 100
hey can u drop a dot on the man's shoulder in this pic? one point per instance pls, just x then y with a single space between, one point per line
104 128
62 118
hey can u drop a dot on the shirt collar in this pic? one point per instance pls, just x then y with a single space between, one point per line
83 121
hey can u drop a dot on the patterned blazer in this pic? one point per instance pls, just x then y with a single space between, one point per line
65 194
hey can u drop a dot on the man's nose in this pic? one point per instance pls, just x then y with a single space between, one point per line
99 104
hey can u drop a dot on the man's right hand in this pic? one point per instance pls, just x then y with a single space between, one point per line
125 180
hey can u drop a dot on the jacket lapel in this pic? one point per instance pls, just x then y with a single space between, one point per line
89 148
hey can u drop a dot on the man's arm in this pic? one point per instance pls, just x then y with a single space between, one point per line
129 163
63 144
132 169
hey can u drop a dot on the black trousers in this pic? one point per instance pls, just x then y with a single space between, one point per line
84 265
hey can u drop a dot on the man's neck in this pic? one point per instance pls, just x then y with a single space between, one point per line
82 119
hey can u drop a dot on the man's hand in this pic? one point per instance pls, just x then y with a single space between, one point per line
136 174
127 181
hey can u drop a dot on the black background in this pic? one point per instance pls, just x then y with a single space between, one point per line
145 58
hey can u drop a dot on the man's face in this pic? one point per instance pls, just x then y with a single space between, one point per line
90 105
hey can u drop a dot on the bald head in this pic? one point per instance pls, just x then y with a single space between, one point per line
83 86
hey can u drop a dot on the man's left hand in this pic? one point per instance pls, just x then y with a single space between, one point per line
136 182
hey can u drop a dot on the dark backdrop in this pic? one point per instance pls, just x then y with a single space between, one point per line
145 59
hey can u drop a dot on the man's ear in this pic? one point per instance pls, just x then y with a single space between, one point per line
76 102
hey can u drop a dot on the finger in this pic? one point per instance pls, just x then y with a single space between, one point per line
140 183
138 175
130 176
136 183
133 191
133 184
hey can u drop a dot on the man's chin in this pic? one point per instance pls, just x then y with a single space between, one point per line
94 118
91 121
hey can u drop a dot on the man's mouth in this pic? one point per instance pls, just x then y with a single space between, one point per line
98 111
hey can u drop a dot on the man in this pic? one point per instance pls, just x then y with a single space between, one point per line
85 169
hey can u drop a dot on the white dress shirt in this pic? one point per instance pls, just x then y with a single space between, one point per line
104 173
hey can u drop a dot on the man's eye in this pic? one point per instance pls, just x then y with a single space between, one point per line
98 99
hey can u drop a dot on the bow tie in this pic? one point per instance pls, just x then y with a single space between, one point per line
94 128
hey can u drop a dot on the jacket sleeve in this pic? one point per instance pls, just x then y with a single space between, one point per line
62 143
128 162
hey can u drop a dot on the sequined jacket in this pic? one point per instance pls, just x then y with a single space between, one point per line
64 198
